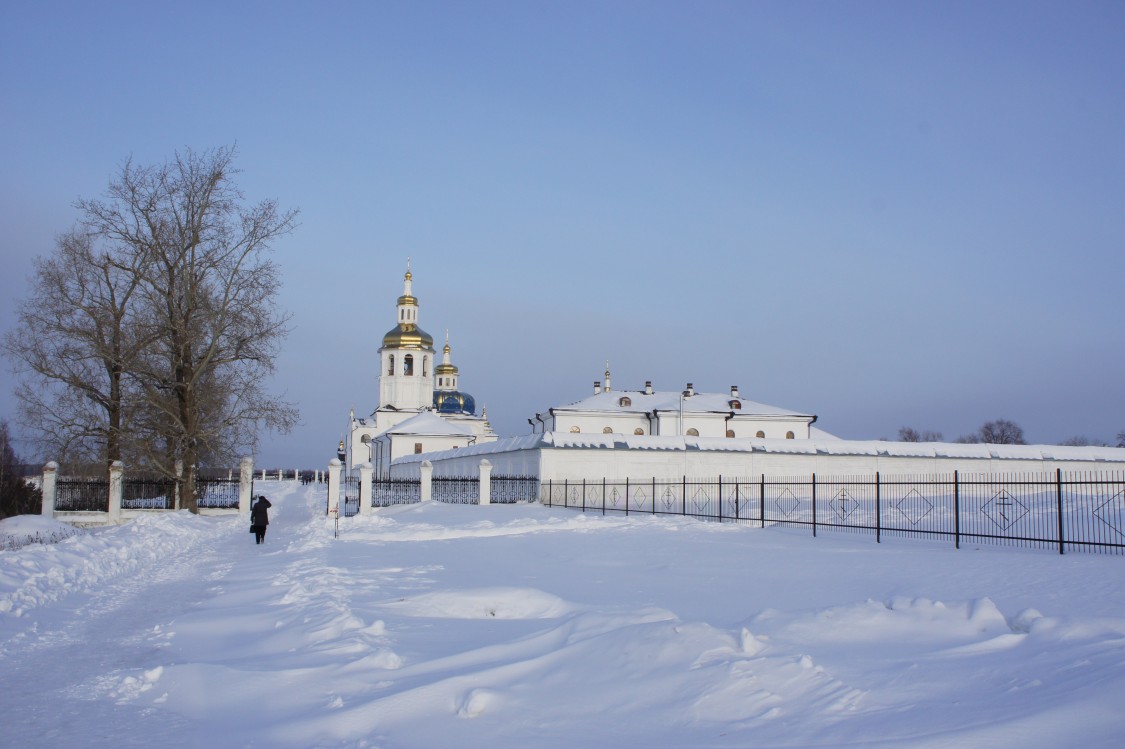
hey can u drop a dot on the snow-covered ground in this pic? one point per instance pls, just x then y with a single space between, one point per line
522 626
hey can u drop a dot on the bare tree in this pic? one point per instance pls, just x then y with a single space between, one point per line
909 434
1121 438
150 332
208 290
78 336
17 497
1001 432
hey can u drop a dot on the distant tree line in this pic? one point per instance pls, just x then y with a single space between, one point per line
17 497
998 432
148 334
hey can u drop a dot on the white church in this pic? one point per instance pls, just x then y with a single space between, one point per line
421 406
423 417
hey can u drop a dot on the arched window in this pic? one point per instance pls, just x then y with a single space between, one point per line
625 401
638 430
391 367
730 432
408 365
760 434
425 366
789 435
607 430
575 430
693 432
736 405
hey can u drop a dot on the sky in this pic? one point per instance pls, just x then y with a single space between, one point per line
435 625
886 214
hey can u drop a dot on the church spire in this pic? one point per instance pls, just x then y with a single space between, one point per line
607 387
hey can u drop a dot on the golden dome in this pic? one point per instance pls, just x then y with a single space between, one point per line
408 335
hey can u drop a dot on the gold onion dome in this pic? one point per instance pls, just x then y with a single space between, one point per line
408 335
445 368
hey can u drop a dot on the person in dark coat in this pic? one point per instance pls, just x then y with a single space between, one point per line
260 518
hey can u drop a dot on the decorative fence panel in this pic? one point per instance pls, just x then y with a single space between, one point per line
82 495
507 490
148 493
218 491
395 491
1071 512
458 490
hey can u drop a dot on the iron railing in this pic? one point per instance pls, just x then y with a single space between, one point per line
1063 512
148 493
457 490
395 491
218 491
513 489
350 486
82 494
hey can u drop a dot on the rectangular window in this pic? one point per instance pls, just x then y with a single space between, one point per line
417 447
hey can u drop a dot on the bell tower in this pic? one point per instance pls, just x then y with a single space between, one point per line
406 375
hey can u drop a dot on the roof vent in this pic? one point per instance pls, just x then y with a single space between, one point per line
597 387
690 390
734 391
648 387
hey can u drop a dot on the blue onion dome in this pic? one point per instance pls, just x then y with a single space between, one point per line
454 402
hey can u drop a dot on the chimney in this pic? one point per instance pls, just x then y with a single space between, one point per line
597 387
648 387
690 390
734 391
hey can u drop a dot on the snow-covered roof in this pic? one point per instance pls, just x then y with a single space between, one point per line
822 446
428 424
642 402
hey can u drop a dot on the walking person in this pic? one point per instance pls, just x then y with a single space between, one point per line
260 518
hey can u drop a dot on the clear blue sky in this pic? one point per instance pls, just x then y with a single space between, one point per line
883 213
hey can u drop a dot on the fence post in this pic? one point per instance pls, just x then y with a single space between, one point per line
603 495
626 496
683 496
366 474
485 482
878 516
957 509
50 484
1059 493
762 501
245 484
814 505
335 468
116 469
426 489
719 514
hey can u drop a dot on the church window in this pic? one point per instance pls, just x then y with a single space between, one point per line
736 405
730 432
391 368
693 432
625 401
417 447
575 429
760 433
638 430
607 430
408 365
789 435
426 366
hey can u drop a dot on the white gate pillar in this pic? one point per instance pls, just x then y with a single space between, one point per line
50 477
335 468
116 470
366 473
245 484
485 482
426 489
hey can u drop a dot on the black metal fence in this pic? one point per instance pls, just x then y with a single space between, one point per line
219 492
350 494
148 493
395 491
82 494
513 489
1063 512
456 490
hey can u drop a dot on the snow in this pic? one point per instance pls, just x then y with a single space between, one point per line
448 625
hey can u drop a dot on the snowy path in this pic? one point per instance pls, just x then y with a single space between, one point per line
439 626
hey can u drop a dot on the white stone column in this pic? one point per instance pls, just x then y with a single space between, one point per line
366 473
50 477
245 484
427 471
335 469
116 469
485 482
